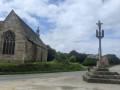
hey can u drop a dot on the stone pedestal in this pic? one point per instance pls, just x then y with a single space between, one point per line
101 75
100 64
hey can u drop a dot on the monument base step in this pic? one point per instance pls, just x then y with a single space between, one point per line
102 72
101 75
101 69
101 80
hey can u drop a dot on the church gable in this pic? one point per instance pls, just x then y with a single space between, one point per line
30 34
19 43
11 23
12 39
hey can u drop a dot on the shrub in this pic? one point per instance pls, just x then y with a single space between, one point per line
61 58
90 62
72 59
40 67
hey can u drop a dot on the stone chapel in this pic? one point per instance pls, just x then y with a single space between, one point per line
18 42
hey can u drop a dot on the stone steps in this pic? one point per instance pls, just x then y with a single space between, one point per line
101 69
101 80
102 72
104 76
101 75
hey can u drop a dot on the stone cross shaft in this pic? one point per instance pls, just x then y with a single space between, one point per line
99 35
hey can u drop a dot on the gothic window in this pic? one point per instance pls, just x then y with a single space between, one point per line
8 43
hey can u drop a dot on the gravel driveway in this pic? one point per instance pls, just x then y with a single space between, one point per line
53 81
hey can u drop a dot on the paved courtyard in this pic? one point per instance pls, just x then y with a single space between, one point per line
53 81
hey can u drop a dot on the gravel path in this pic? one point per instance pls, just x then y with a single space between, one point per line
53 81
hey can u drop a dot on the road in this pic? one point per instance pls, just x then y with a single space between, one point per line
41 75
115 68
53 81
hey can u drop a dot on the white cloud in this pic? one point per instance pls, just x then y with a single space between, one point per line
74 22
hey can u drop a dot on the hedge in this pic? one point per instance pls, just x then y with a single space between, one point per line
41 66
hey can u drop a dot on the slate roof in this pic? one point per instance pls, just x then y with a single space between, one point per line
32 36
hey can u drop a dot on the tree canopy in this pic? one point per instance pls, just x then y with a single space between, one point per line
113 59
72 59
74 56
80 57
51 53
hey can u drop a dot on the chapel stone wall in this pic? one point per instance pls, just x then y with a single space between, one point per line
20 39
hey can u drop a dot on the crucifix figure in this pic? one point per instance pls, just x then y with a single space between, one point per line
99 35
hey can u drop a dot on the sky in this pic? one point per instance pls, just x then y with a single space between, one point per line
68 25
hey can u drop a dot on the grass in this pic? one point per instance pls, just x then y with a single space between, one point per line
39 67
8 64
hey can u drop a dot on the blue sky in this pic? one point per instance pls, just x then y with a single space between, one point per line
70 24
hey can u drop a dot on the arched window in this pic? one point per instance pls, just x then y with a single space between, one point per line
8 43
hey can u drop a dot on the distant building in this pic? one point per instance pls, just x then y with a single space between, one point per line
104 58
19 43
93 56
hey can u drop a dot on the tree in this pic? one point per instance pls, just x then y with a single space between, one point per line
113 59
80 57
61 58
72 59
51 53
90 62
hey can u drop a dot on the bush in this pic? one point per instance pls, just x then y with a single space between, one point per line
61 58
90 62
40 67
72 59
